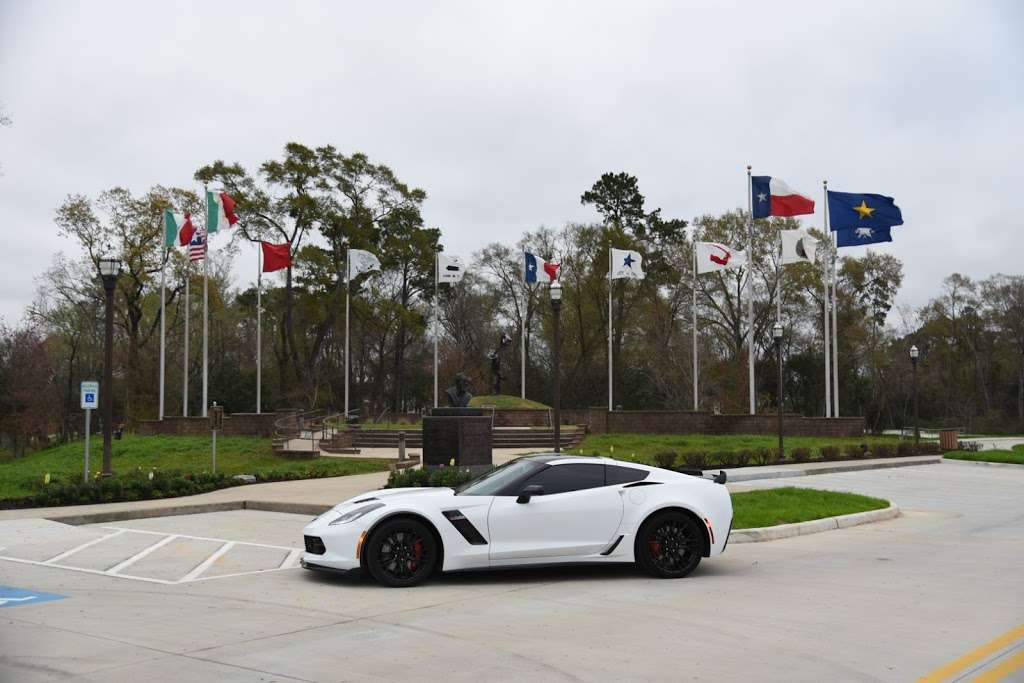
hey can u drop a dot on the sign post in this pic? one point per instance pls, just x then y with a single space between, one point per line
216 423
90 401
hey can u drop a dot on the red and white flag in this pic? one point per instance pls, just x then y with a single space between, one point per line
712 256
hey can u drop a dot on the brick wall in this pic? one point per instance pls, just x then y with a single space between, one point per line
236 424
691 422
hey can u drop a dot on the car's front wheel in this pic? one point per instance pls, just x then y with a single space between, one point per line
401 552
669 545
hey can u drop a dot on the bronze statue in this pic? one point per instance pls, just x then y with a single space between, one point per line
458 394
495 358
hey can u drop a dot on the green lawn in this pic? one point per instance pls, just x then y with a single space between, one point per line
187 454
642 447
1014 457
504 401
769 507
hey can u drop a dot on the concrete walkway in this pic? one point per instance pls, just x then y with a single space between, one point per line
308 495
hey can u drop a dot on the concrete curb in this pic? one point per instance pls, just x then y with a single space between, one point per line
739 476
983 463
195 509
773 533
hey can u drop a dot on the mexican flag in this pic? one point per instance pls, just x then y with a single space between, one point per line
177 228
220 211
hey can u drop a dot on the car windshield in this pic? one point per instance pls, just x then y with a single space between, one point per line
497 479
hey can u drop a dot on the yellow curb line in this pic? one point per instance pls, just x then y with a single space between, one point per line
998 673
977 655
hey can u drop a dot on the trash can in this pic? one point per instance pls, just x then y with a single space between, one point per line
949 439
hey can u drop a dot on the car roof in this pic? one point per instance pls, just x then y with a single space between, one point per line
561 458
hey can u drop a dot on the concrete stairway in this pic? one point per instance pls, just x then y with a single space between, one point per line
502 437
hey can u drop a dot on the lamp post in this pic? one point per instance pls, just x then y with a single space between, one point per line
109 268
913 361
777 334
555 290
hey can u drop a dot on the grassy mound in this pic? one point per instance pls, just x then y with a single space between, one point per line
504 401
1014 457
769 507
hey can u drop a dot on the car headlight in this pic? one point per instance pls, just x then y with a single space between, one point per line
356 514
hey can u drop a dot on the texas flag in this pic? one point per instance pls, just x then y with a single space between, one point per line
535 266
772 197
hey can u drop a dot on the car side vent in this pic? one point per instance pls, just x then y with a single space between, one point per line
641 483
464 527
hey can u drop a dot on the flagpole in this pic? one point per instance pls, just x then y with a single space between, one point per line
184 389
750 291
163 331
824 279
778 282
259 329
348 288
835 329
695 367
206 323
611 405
522 336
437 330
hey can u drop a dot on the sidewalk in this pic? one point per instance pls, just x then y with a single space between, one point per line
312 496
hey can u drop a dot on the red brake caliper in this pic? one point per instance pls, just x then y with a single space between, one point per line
655 547
417 549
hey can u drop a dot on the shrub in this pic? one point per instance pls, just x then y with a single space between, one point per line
697 460
928 448
728 459
904 448
765 456
881 451
440 476
830 453
744 457
131 486
972 446
800 454
853 451
666 459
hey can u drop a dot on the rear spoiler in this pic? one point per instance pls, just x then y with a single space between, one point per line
717 478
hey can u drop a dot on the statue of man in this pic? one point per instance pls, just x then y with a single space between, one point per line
458 395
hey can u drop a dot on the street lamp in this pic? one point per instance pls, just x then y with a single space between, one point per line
109 268
555 290
913 361
777 334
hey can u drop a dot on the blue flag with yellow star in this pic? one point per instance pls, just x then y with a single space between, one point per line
856 237
852 210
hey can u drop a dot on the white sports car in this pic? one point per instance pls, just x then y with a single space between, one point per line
537 510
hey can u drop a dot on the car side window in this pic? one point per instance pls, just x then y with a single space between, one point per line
616 474
565 478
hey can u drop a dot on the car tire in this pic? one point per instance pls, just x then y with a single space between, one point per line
669 545
401 552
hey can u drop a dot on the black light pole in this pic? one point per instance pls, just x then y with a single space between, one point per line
917 430
777 333
110 268
555 290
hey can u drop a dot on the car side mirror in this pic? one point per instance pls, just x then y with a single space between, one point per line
529 492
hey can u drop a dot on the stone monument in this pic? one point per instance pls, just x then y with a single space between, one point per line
458 433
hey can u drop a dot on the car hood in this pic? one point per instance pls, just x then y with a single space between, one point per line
397 496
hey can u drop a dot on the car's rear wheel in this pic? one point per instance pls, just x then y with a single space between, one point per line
669 545
401 552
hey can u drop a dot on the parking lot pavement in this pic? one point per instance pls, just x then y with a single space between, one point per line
890 601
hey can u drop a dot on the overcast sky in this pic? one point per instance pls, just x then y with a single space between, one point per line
506 112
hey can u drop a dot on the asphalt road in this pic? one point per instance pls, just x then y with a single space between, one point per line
889 601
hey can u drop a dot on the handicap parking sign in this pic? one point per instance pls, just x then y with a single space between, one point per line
90 395
15 597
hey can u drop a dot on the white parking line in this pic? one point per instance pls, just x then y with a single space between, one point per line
68 553
205 564
290 560
141 554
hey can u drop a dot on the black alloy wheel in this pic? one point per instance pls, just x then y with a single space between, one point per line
401 553
669 545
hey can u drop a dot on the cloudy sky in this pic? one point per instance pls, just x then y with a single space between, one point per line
505 112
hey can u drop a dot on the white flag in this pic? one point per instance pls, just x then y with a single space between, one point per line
798 246
360 262
450 268
712 256
626 263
